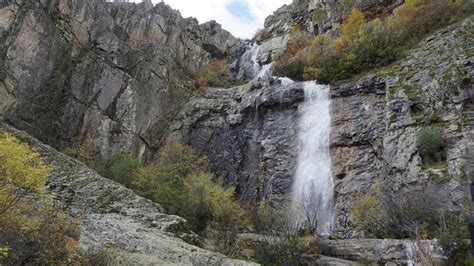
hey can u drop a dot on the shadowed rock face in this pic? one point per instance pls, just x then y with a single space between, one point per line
112 72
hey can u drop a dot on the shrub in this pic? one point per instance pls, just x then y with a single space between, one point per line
284 245
164 180
431 144
292 61
21 172
390 214
366 211
179 181
87 154
217 74
29 234
284 250
51 240
122 168
452 234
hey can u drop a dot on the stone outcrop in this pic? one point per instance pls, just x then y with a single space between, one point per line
115 73
383 252
376 121
134 229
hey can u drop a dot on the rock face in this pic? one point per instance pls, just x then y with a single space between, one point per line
250 132
113 216
249 135
120 75
377 119
383 252
115 73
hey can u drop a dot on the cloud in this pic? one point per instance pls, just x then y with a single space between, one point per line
241 17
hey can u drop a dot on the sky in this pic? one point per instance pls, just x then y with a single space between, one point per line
241 17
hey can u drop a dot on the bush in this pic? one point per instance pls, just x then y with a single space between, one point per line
49 238
29 234
431 144
121 168
180 182
390 214
452 235
284 244
217 74
86 154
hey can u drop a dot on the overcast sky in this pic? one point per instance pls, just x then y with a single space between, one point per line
241 17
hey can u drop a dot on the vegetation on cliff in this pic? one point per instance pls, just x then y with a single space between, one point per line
216 74
418 215
365 43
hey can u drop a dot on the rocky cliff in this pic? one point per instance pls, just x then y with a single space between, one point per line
249 132
116 73
120 74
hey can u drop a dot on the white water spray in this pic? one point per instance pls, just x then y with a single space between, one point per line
314 188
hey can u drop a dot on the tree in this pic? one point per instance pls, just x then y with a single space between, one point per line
178 180
163 181
21 172
353 29
431 144
29 232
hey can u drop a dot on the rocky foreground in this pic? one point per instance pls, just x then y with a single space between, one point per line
115 219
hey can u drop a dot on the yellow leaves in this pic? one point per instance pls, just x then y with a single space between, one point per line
210 197
21 171
353 27
3 251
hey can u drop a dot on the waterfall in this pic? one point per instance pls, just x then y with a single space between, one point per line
250 62
313 188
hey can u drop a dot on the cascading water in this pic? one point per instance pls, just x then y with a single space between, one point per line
250 62
313 188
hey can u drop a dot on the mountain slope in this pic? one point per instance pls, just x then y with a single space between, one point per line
112 217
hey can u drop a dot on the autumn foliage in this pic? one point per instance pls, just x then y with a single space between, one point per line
365 43
217 74
31 232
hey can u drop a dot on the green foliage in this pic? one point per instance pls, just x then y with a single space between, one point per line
164 180
431 144
285 250
363 45
390 214
87 154
49 238
366 212
122 168
179 181
452 235
29 234
286 245
292 61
